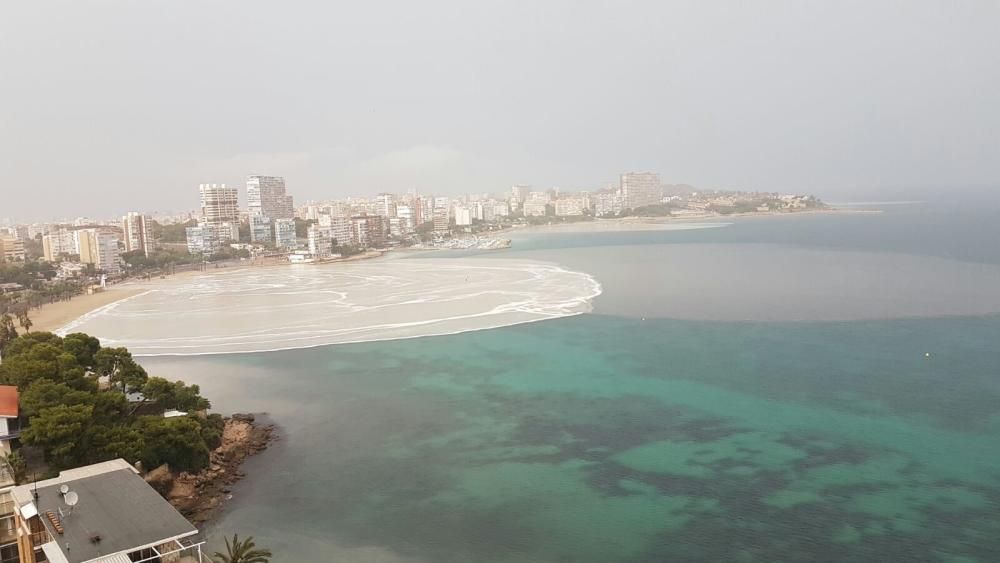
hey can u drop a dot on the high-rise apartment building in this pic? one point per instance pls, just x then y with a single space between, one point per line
220 219
137 231
59 243
101 250
219 204
340 229
284 234
266 197
440 220
369 230
197 242
385 205
320 240
463 216
406 215
518 194
260 229
640 189
11 249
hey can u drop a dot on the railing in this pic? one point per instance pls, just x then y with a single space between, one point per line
175 551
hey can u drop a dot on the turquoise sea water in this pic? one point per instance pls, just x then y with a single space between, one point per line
609 437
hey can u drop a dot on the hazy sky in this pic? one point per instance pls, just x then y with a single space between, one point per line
110 106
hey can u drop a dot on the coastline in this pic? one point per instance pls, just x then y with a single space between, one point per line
635 223
53 316
199 496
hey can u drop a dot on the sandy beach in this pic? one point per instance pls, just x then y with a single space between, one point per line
682 222
299 306
52 317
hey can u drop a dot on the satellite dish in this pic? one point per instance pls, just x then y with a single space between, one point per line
71 499
64 489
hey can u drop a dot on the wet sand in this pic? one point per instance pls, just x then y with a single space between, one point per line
52 317
300 306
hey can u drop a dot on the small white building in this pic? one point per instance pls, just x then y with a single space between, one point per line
569 206
534 208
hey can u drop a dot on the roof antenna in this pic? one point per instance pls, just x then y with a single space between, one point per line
71 498
34 484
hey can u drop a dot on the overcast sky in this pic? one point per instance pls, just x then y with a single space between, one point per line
111 106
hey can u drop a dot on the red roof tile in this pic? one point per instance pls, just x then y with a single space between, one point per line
8 401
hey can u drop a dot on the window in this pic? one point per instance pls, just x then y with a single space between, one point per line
8 554
144 555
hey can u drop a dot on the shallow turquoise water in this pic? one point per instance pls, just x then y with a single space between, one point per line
602 438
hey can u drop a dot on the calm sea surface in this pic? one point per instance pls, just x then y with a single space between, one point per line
738 394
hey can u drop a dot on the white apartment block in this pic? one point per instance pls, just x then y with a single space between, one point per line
569 206
284 234
463 216
534 208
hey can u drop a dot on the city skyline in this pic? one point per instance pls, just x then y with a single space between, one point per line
729 95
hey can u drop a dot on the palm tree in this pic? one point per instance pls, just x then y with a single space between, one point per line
242 552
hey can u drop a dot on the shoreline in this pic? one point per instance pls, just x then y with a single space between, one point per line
200 496
54 316
637 223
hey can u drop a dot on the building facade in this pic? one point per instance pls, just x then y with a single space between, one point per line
219 223
284 234
260 229
320 241
137 232
11 249
266 196
640 189
569 206
100 249
608 204
463 216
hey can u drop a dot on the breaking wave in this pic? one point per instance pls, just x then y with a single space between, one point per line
280 308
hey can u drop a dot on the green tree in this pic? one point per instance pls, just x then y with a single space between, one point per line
104 442
121 370
17 465
41 361
45 393
7 332
245 551
176 441
58 431
174 395
83 346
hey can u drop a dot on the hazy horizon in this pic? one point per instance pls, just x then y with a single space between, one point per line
114 106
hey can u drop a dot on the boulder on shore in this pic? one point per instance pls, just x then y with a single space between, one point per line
161 479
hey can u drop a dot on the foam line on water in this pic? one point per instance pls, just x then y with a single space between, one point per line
260 310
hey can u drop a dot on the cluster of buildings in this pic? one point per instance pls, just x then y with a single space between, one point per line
101 513
268 223
270 217
81 244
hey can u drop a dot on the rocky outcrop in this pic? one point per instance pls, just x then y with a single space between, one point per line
198 495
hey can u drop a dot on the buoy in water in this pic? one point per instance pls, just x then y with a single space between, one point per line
927 354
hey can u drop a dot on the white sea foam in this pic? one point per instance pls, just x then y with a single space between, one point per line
264 309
